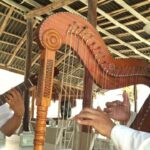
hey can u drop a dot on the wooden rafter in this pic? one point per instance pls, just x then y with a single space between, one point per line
123 18
4 24
132 11
62 58
35 59
48 8
18 47
16 50
125 51
119 24
123 43
116 12
16 5
126 23
117 53
70 75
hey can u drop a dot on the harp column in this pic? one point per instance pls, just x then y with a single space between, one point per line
88 81
50 41
86 136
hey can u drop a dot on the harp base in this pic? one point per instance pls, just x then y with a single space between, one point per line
26 141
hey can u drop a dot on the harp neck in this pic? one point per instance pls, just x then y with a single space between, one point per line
107 72
21 87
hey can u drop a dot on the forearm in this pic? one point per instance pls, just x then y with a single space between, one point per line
11 125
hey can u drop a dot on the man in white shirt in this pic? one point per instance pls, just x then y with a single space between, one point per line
123 137
10 121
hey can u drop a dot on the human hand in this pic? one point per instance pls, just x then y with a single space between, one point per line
118 110
15 100
97 119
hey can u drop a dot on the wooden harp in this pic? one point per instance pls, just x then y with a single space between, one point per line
85 41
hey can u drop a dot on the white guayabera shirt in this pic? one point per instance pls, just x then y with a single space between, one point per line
126 138
5 114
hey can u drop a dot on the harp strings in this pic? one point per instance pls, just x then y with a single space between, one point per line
81 127
66 98
69 80
77 94
58 143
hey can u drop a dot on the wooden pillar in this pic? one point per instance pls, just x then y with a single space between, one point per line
92 14
88 81
84 137
27 73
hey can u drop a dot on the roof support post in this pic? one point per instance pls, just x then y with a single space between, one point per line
27 72
88 81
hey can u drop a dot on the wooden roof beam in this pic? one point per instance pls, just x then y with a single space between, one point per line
4 24
9 54
140 49
114 37
16 50
127 34
123 43
124 18
117 53
32 2
35 59
126 23
63 58
116 12
77 68
68 85
70 75
20 7
16 5
19 46
48 8
132 11
118 24
36 5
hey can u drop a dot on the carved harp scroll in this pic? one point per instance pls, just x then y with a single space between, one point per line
75 31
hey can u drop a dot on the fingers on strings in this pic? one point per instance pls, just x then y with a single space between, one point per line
12 96
88 115
114 103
